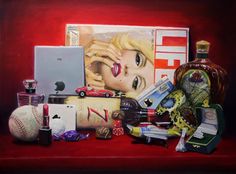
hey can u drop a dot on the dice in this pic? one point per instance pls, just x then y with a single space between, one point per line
117 128
118 131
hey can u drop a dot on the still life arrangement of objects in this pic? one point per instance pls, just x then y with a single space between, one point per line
188 108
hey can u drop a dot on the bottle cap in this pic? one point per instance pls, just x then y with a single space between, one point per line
30 85
203 46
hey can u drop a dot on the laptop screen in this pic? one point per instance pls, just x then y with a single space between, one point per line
58 69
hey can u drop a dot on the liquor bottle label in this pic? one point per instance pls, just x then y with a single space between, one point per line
196 85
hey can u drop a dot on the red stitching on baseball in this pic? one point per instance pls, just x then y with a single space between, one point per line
36 115
20 125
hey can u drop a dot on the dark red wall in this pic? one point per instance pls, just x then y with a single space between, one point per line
26 23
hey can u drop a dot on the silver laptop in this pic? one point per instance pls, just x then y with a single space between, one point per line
58 69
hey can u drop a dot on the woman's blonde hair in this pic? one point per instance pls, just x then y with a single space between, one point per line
127 41
130 42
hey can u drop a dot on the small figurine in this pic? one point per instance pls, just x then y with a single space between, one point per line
89 91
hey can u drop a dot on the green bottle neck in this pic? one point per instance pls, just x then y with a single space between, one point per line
202 55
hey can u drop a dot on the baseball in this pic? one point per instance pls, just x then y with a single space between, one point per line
25 122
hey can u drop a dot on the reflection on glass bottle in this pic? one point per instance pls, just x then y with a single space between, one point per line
202 80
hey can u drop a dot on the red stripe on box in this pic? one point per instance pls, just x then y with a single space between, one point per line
163 64
174 41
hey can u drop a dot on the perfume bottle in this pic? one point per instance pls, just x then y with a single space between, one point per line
29 96
202 81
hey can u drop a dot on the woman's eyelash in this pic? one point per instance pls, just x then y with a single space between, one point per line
138 59
135 83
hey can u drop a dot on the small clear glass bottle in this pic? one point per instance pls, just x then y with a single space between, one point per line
29 96
202 81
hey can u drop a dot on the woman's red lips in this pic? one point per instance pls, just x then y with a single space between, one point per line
116 69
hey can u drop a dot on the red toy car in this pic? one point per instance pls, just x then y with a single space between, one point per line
88 91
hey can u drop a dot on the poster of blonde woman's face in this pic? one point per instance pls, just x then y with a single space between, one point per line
134 73
131 72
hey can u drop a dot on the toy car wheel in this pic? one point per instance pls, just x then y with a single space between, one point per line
82 94
107 95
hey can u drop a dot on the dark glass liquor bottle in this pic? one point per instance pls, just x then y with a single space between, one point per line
133 113
202 81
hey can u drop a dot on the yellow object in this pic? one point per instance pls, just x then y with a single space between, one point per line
172 131
206 103
179 98
203 46
136 131
180 123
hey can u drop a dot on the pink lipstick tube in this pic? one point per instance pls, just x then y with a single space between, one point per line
45 133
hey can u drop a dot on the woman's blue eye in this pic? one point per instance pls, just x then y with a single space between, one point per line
135 83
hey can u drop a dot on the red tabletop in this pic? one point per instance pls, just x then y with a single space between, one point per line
119 154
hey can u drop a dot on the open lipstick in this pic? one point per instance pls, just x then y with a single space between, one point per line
45 117
45 133
116 69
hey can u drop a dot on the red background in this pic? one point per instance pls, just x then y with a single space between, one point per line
26 23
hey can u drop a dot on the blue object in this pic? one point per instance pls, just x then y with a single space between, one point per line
152 96
71 136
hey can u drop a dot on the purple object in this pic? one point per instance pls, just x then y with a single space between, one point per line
73 135
24 98
56 137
